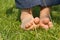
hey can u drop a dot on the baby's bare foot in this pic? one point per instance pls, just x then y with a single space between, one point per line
45 23
27 19
28 23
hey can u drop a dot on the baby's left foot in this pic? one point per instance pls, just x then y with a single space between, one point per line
45 22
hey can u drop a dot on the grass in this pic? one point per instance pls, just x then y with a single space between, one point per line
9 24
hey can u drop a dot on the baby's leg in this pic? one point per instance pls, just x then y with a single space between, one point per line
27 19
45 17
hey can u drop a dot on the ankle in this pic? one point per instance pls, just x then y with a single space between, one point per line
25 13
44 12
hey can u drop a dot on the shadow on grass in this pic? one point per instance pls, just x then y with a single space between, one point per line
9 11
18 16
56 8
36 11
56 19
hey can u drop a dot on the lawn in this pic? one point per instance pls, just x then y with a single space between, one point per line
10 24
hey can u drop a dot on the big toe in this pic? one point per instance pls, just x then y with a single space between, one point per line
36 20
44 26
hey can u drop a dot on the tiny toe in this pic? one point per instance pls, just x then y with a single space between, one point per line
29 25
30 28
50 24
26 26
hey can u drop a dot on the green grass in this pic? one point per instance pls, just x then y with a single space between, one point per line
10 24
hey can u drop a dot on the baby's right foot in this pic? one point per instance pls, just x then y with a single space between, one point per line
27 20
28 23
